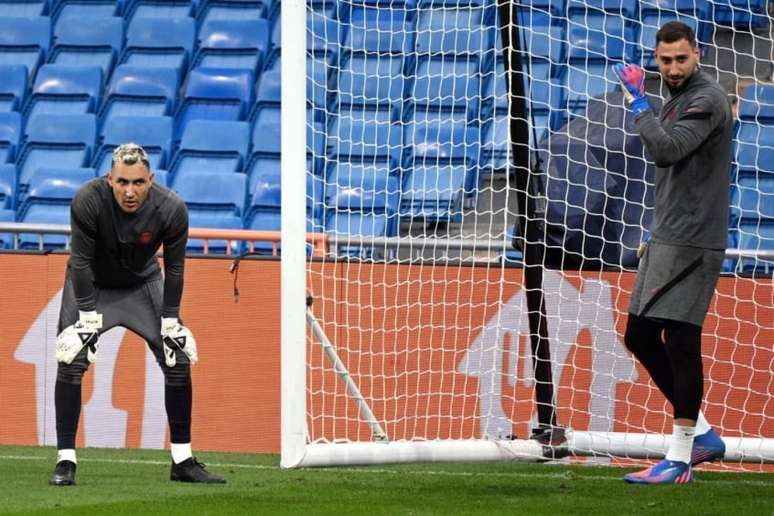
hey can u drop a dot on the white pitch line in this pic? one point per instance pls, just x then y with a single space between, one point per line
382 471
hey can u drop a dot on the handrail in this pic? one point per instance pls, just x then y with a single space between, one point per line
319 241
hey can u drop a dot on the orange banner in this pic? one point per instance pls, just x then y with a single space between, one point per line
432 366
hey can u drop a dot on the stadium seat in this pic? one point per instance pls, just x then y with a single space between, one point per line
323 34
154 133
372 81
56 140
586 81
205 219
754 148
757 103
139 91
433 193
7 186
372 29
211 146
364 188
215 94
232 44
45 214
742 14
25 8
53 186
757 236
317 88
161 177
275 45
753 197
625 8
62 10
158 9
88 42
231 10
457 31
447 85
366 136
6 239
10 134
598 38
213 192
24 41
159 42
496 143
65 89
13 87
266 110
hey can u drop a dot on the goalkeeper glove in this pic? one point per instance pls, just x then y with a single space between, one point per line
632 79
176 336
85 332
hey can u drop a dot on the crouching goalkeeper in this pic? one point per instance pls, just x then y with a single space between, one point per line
113 279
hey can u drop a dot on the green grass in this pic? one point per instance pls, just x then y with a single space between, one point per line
137 482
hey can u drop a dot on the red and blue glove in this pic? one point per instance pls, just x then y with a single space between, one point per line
632 79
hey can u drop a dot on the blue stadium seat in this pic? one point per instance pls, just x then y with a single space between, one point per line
366 80
598 38
448 85
753 197
266 110
757 236
158 9
62 10
65 89
373 29
275 45
211 146
7 186
496 143
24 41
754 148
625 8
757 103
52 186
206 219
135 90
215 94
159 42
231 10
6 239
154 133
433 193
456 31
323 35
317 88
232 44
25 8
364 188
88 42
742 14
13 87
366 136
56 140
213 192
585 81
45 214
10 135
546 41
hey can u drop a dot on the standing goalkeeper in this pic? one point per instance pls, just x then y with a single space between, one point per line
690 142
113 279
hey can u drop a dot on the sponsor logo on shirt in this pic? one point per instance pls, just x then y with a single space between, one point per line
146 237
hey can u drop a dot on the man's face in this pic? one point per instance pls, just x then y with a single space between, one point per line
130 184
677 61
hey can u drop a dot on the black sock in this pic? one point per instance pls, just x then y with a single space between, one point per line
67 400
178 401
683 347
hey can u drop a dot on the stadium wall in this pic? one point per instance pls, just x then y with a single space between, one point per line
477 356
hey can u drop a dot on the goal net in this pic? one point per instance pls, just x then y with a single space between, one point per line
484 193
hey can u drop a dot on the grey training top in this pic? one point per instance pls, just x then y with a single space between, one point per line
115 249
690 143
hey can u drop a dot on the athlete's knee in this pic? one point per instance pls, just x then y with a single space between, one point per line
178 376
71 373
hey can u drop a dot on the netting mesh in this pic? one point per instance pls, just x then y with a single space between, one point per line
411 157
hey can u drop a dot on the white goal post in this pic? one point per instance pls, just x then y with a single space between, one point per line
416 345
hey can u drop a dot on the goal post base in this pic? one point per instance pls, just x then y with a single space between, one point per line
579 443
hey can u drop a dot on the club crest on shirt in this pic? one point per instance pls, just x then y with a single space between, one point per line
146 237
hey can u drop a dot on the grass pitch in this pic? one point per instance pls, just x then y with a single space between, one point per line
137 482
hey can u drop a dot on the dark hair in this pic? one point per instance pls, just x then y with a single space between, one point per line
675 31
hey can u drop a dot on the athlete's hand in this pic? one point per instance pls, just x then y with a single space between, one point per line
85 332
176 336
632 79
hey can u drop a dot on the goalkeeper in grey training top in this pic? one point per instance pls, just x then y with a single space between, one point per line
113 278
690 142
